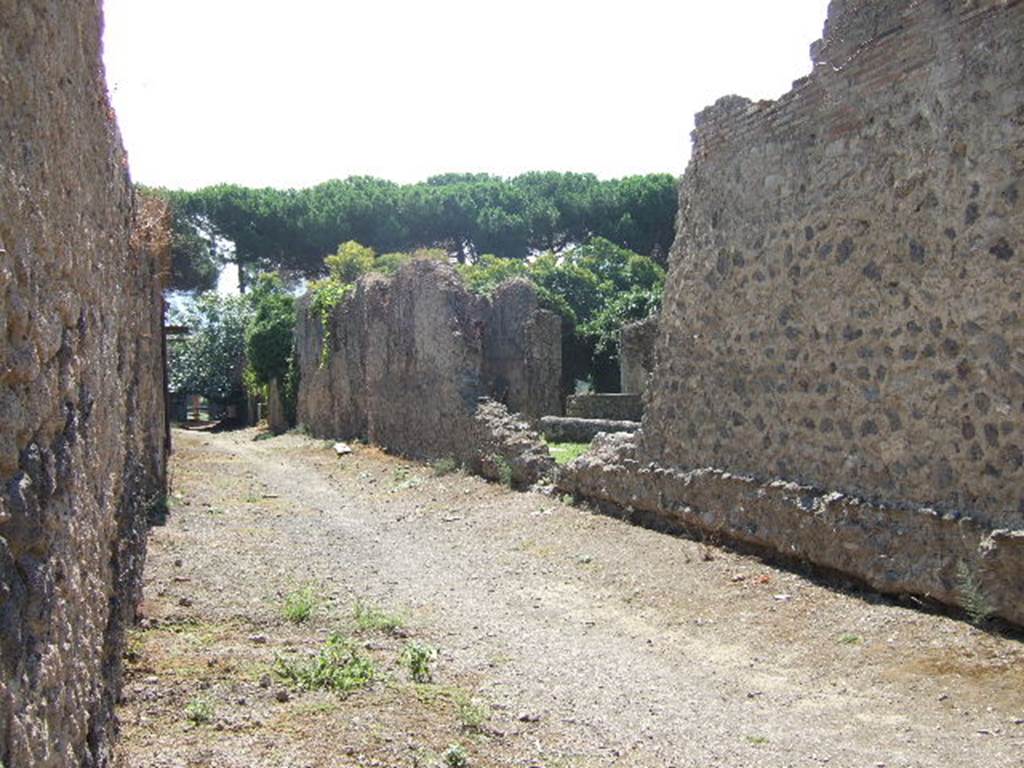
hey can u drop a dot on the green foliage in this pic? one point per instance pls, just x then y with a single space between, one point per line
368 618
445 466
464 215
473 715
300 604
975 602
504 470
350 262
268 335
563 453
199 711
210 359
455 756
418 657
338 666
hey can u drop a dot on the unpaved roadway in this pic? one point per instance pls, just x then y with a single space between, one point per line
563 638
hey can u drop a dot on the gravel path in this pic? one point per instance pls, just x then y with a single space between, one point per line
589 642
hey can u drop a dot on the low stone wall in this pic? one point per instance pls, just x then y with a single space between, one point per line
636 354
605 405
566 429
405 368
895 549
82 430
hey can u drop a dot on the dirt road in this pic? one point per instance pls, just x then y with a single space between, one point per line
563 638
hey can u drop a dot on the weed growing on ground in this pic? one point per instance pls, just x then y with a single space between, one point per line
199 711
757 741
455 756
300 604
849 638
418 658
975 602
473 715
445 466
369 618
504 470
404 480
563 453
338 667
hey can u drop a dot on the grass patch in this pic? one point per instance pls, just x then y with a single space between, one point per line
369 618
563 453
338 667
849 638
300 604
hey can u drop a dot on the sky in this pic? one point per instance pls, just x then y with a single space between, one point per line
268 93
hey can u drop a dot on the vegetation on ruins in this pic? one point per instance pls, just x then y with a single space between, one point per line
597 287
462 215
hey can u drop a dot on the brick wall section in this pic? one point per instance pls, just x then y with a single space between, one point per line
843 307
81 397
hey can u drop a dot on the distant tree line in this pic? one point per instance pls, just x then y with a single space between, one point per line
463 215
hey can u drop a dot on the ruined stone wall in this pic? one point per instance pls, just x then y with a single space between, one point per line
405 368
522 348
636 354
844 304
81 397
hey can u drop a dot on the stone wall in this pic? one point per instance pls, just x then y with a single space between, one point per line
406 368
844 301
81 397
843 310
636 354
522 349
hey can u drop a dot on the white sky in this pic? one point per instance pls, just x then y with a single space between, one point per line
265 92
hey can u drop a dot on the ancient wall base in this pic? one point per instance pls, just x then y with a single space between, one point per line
893 549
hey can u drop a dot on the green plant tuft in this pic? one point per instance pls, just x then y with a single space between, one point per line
418 658
338 667
199 711
972 596
300 604
455 757
445 466
369 618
